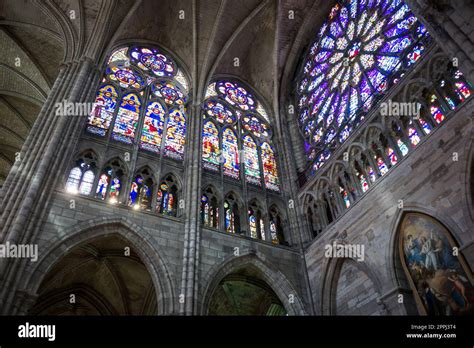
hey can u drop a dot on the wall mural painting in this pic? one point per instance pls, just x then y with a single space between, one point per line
439 277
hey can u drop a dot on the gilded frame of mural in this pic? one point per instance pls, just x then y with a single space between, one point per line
445 283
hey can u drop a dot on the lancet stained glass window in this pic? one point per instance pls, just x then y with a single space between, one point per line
146 93
235 122
359 53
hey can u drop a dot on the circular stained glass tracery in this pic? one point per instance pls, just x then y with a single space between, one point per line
219 111
236 95
151 59
359 51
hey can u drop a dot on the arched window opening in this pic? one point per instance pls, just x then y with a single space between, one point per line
235 122
210 146
328 210
252 166
175 134
135 77
256 223
141 190
103 110
359 53
231 215
441 281
344 194
209 208
424 120
81 176
153 126
127 119
276 227
167 197
392 156
398 136
436 109
230 152
110 182
368 168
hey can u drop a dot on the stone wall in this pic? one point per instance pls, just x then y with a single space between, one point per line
65 227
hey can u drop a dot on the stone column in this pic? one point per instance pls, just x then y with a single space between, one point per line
188 292
32 183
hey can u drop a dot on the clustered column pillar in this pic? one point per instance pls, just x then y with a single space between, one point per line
30 184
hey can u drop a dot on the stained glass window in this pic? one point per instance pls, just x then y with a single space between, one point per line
462 87
132 73
210 146
175 134
153 127
236 95
219 111
152 59
269 167
166 200
402 146
413 136
169 92
204 210
273 232
127 119
253 225
231 109
382 166
86 184
102 186
229 218
74 180
81 177
209 211
358 52
371 174
435 109
426 127
392 156
103 110
345 197
125 77
261 229
140 193
230 153
114 190
252 167
363 183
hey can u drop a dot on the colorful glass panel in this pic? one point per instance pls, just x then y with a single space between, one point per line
127 119
125 77
255 125
252 167
269 167
235 95
175 134
103 110
219 111
210 146
230 153
150 59
169 92
152 131
359 52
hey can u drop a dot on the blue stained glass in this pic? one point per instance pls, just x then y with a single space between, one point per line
359 49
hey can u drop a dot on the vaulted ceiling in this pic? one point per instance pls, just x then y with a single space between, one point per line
264 37
103 279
